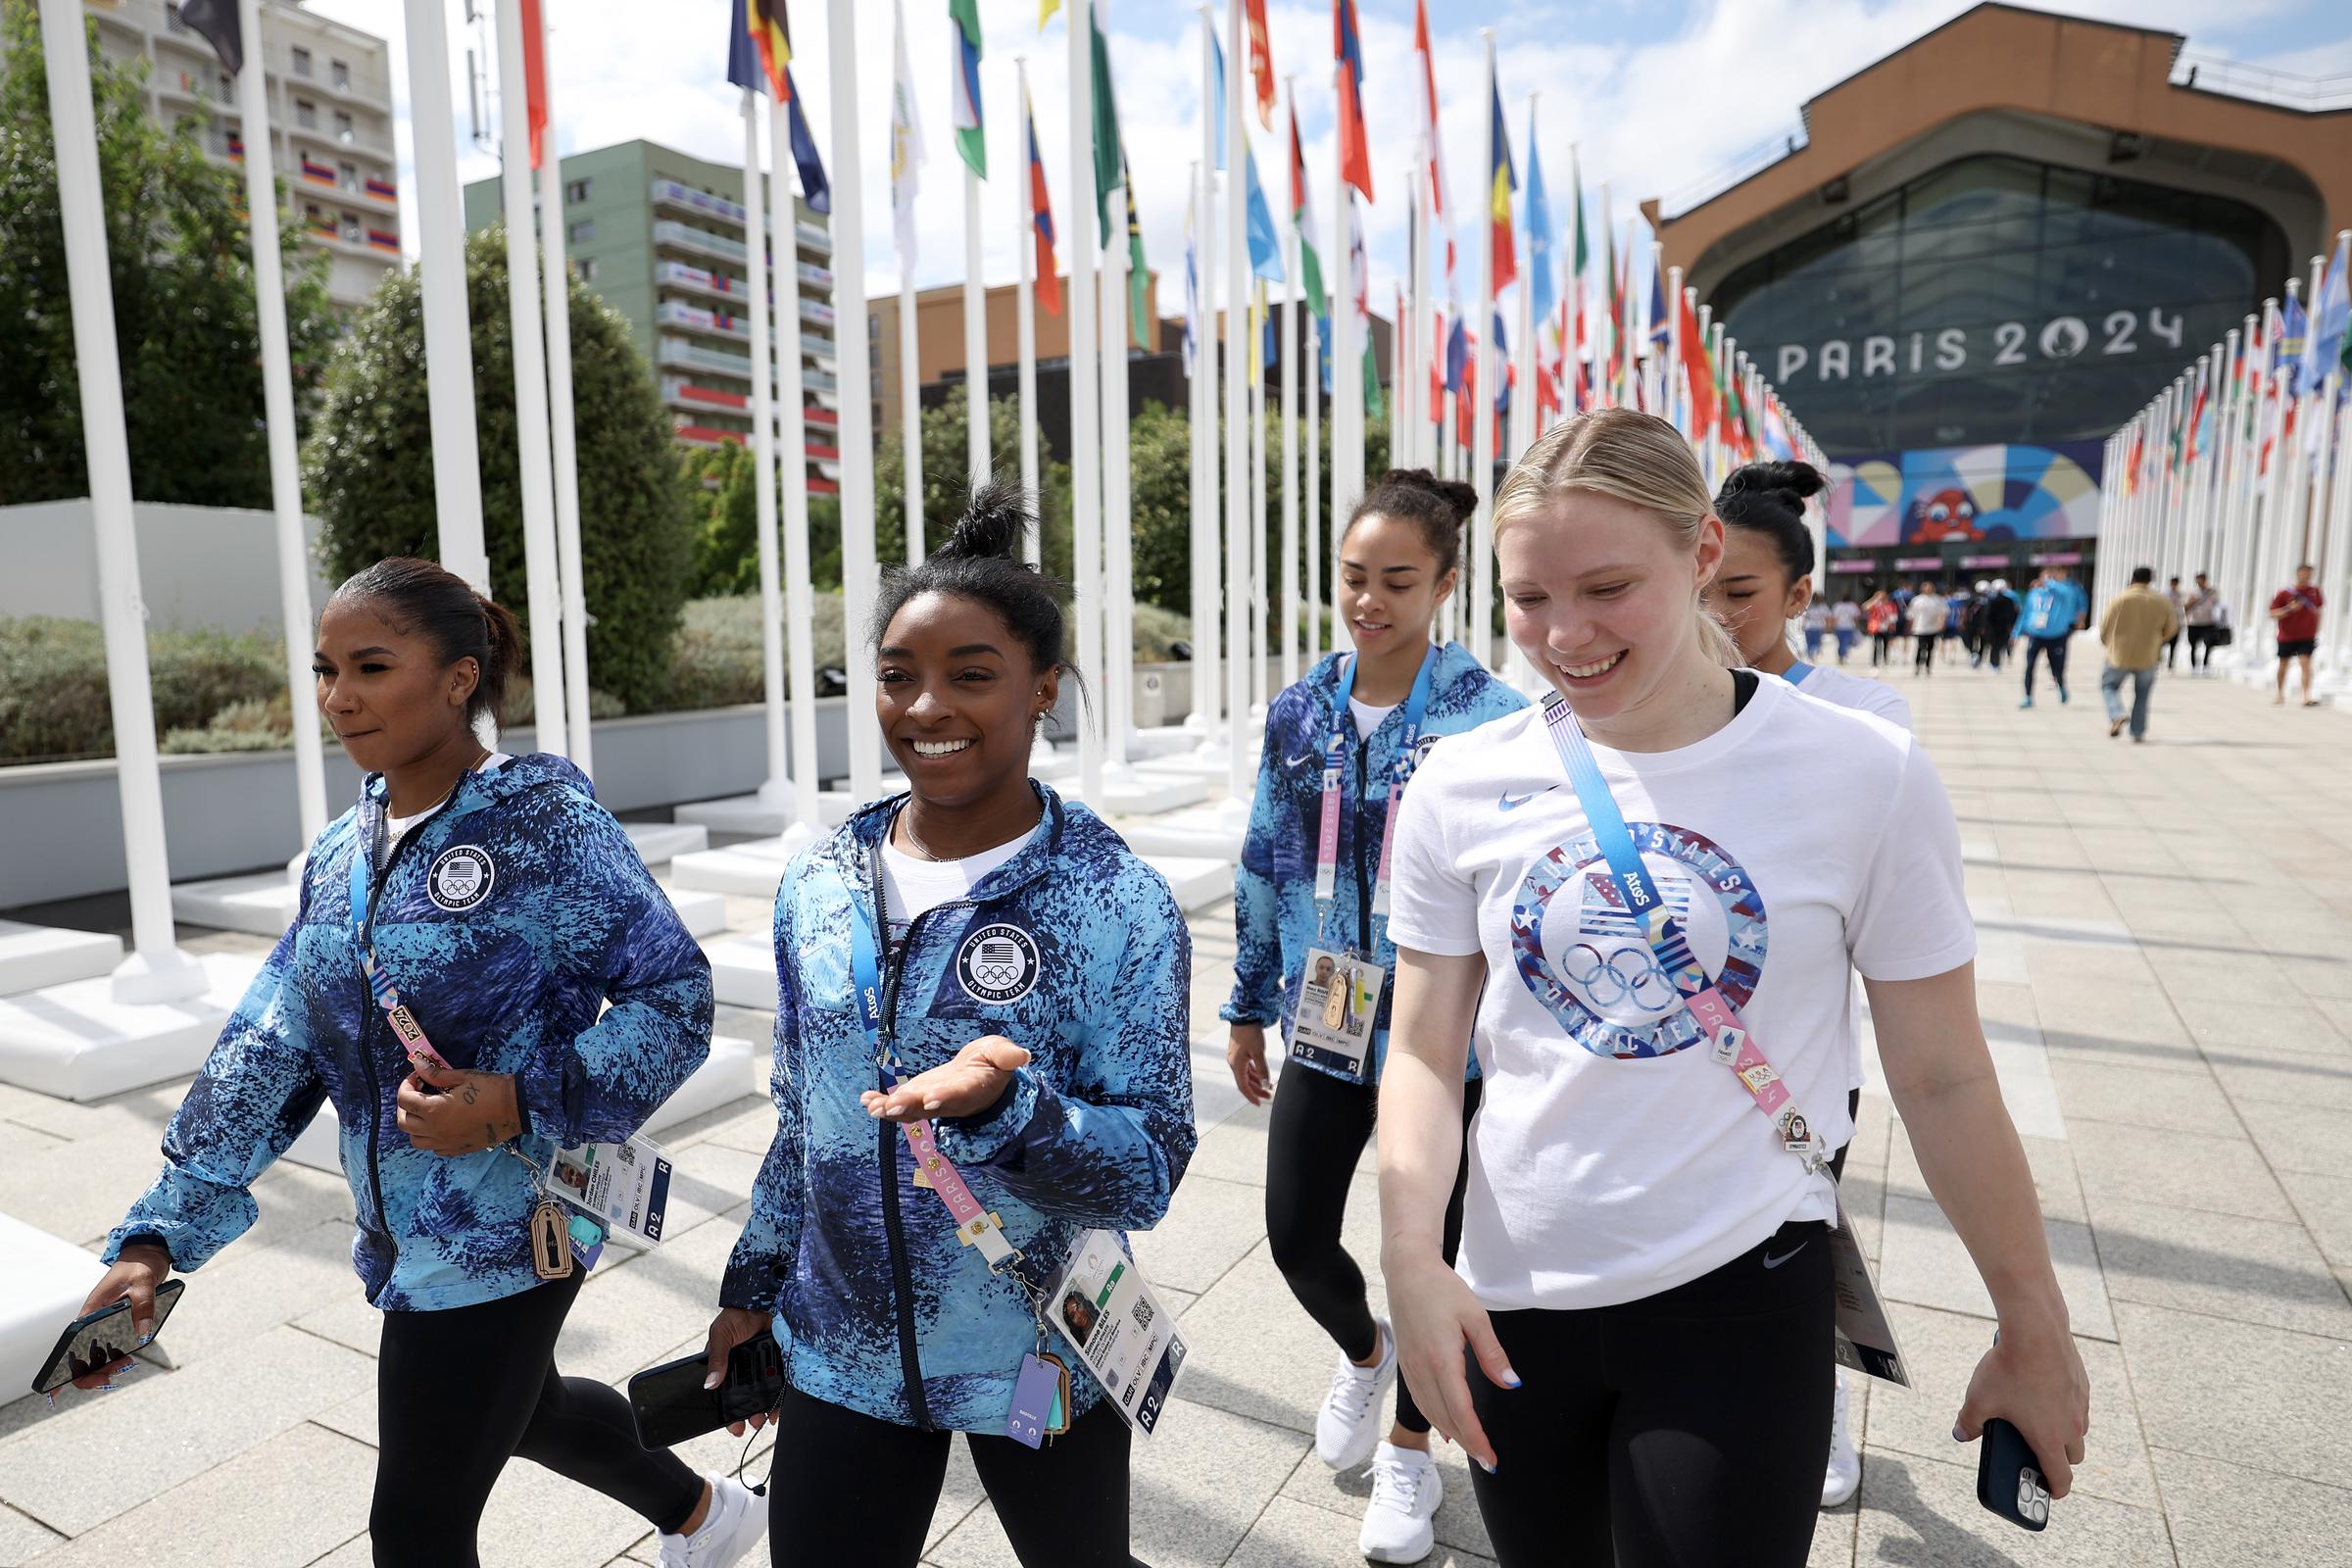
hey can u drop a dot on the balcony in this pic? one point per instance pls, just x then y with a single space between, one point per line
699 242
816 312
345 143
685 198
712 323
813 275
693 356
700 280
813 236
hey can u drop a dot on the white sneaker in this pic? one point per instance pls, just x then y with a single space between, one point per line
737 1519
1348 1425
1844 1473
1400 1524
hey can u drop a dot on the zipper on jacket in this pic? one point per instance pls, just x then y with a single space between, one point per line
886 1154
1364 887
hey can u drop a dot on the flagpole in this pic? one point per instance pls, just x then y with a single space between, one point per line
1207 348
562 424
1085 478
1678 400
1200 556
1257 502
157 970
285 476
858 567
1490 375
911 413
772 620
791 444
1025 326
1289 355
1239 590
975 333
1406 402
1310 382
1523 395
906 159
1117 607
535 457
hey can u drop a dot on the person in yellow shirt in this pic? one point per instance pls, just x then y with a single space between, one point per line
2138 623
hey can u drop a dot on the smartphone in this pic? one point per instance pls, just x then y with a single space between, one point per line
102 1339
2009 1479
671 1404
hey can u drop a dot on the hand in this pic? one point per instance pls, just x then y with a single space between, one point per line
1246 1054
732 1326
2033 1379
136 1272
448 1112
1433 1316
964 1087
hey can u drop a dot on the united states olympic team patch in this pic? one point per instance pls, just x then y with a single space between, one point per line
461 878
997 964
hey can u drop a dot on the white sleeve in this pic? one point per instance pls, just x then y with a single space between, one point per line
1432 907
1910 918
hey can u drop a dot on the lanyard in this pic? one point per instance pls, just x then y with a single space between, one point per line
405 1027
974 1225
1734 1045
1335 763
1798 672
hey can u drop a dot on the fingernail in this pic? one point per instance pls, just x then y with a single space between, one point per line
1491 1468
1510 1378
930 1104
710 1381
1958 1436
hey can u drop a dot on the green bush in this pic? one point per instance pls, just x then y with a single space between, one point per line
369 467
52 693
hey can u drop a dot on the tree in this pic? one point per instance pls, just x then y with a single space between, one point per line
944 483
371 474
182 265
720 498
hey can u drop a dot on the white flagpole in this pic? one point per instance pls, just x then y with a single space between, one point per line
535 458
441 284
1085 475
772 621
158 971
1257 508
562 424
1310 382
858 567
277 401
1342 341
975 331
1208 605
1118 603
800 592
1481 416
911 367
1292 294
1523 352
1238 587
1025 324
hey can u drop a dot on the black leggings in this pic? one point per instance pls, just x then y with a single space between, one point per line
1687 1430
1923 656
461 1391
851 1489
2054 649
1319 1129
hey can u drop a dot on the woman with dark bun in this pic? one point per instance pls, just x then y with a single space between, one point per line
1766 582
1340 748
499 909
981 1059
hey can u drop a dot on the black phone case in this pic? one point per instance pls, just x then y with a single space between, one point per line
166 1296
670 1406
2009 1478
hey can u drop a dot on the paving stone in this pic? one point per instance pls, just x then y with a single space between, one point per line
249 1288
22 1539
2301 1136
2056 1182
1290 1533
1925 1512
2252 1395
2250 1270
1254 1352
2181 1101
2325 1205
1205 1236
1925 1263
2229 1516
2242 1022
1348 1493
352 1322
81 1188
2187 1171
1235 1149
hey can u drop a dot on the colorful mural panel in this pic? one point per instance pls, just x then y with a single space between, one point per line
1960 494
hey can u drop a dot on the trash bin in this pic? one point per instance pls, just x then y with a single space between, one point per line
1151 699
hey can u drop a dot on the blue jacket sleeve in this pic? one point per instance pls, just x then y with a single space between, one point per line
255 1094
764 1253
601 1085
1257 968
1108 1148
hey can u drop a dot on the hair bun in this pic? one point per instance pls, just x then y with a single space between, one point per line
1461 498
994 523
1798 478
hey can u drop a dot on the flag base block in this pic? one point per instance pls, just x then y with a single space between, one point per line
262 903
76 1042
657 843
743 970
33 956
1144 792
1200 832
1196 883
702 915
48 1280
751 870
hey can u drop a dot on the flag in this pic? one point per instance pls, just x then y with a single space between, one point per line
1139 271
1303 219
2294 332
216 22
906 152
1217 88
1501 180
1266 242
1543 236
1508 377
1348 50
1458 354
1192 298
1110 151
534 79
1261 63
1698 366
1045 12
1777 441
964 50
1433 161
815 189
1360 272
2325 353
759 47
1048 284
2196 416
1657 304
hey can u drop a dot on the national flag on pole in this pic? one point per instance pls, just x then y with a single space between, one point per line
1503 180
2326 352
1348 50
905 154
964 49
1045 12
1510 376
1261 61
2294 332
1361 272
217 23
1048 284
534 77
759 47
1658 334
1699 366
1139 271
2196 415
1303 219
1110 151
1192 297
815 189
1542 235
1265 240
1218 107
1433 161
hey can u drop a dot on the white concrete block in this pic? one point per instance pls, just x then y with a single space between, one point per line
36 956
705 915
262 903
1213 769
752 869
657 842
743 970
47 1282
736 813
1142 793
1196 883
1200 832
76 1042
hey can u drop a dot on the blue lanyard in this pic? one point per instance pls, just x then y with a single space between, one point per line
865 978
1335 764
1798 670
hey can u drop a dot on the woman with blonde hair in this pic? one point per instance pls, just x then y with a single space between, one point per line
1644 1290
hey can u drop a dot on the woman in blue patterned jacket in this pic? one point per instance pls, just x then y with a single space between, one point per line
495 901
1343 741
981 1057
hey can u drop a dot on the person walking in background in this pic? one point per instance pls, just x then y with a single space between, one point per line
1959 603
1880 617
2197 614
1972 622
1845 623
2055 608
2296 609
1927 613
2137 629
1817 622
2179 599
2001 609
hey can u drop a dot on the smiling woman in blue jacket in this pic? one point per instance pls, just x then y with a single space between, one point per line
493 899
1340 744
979 981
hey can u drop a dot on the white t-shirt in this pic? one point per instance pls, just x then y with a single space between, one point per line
913 886
1927 613
397 828
1597 1178
1846 614
1863 695
1367 717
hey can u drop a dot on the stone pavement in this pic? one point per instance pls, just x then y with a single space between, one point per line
2162 977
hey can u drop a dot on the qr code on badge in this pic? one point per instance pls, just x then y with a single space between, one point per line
1143 1313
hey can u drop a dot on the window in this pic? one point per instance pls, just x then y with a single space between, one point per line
228 90
302 62
343 125
581 232
587 270
347 176
306 114
174 20
350 229
579 191
339 72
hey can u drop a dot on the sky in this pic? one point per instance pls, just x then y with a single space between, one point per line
1654 96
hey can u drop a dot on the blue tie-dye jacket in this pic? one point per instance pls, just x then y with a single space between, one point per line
508 980
883 1309
1274 912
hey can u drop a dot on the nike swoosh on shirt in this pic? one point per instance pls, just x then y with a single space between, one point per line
1771 1261
1506 804
1294 761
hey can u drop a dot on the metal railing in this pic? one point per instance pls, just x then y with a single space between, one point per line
2286 89
687 238
1762 156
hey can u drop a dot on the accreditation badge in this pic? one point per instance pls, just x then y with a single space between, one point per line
1865 1336
1338 997
624 1185
1099 1302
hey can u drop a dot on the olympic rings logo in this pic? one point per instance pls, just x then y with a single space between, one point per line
1604 980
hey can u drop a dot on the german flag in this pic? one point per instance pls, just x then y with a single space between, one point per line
759 47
